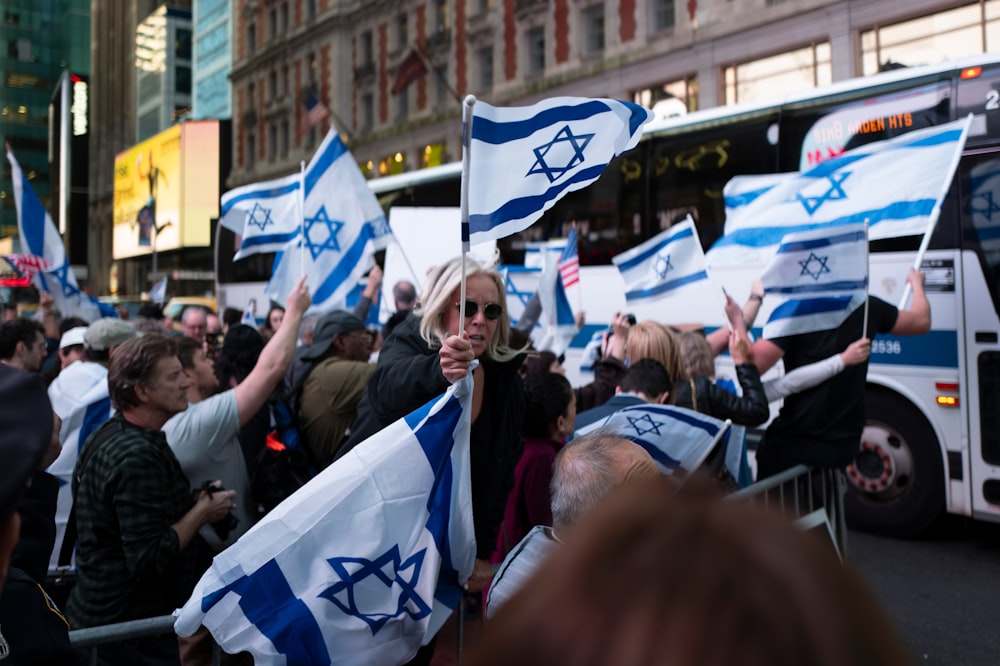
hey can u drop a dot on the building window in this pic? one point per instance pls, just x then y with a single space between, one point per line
392 164
663 17
285 139
593 28
441 15
402 32
313 68
251 39
251 150
931 39
284 80
434 155
673 98
284 17
310 9
272 23
182 44
272 142
403 104
780 74
272 86
366 52
536 50
182 80
485 57
367 113
441 74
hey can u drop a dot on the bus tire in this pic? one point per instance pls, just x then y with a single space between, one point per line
896 484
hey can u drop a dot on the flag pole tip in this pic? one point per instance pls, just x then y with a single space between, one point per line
470 100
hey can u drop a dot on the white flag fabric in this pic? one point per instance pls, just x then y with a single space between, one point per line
817 278
158 292
523 159
40 238
558 324
895 184
79 395
361 565
344 224
265 215
676 438
660 267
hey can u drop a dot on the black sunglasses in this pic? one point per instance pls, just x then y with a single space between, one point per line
491 311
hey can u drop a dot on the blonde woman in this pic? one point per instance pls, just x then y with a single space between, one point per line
433 348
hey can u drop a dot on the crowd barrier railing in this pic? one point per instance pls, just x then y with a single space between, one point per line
86 641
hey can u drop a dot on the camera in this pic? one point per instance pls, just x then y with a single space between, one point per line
227 524
630 318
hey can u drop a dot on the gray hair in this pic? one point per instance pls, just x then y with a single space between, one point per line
307 327
583 474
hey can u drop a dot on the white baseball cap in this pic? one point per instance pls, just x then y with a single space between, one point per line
73 336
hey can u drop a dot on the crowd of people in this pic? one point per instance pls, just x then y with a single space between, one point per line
145 446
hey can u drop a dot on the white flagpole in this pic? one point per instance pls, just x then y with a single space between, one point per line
302 217
470 101
864 324
926 240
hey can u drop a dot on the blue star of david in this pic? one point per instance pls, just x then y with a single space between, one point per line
512 291
662 266
835 193
566 148
391 572
990 208
315 228
814 266
62 275
641 427
259 216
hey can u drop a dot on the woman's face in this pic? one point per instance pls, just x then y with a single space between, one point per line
274 319
481 290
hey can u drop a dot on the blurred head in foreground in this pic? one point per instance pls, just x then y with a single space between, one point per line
654 576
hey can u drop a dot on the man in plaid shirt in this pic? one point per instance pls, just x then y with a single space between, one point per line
139 552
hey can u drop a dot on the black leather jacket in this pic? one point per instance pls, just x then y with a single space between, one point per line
749 409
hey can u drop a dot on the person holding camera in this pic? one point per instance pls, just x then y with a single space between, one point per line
139 552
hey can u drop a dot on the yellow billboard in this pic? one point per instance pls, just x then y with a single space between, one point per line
167 190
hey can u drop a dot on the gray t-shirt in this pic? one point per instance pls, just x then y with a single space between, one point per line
519 565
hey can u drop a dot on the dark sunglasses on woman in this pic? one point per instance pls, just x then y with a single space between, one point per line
491 311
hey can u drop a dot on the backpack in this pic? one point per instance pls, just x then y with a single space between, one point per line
285 463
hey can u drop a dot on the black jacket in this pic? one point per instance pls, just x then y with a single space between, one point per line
407 376
750 409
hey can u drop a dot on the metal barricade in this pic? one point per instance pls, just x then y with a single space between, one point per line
93 637
813 498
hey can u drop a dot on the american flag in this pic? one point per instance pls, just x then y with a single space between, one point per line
569 262
27 265
313 111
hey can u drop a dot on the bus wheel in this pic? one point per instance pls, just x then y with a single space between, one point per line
896 484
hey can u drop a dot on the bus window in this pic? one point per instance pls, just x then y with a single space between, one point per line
688 172
979 94
980 177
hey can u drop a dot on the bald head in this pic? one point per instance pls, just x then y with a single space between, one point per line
194 322
589 468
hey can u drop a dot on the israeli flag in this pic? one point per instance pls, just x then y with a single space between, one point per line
984 205
343 225
265 215
40 238
521 160
678 439
661 266
521 283
364 563
158 292
896 184
79 395
817 279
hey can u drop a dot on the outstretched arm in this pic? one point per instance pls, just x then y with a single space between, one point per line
277 355
816 373
916 320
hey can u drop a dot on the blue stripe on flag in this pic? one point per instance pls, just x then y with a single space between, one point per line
746 198
665 286
522 207
318 169
767 236
820 287
97 413
626 266
266 239
294 631
32 219
827 241
348 261
810 306
496 133
264 193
